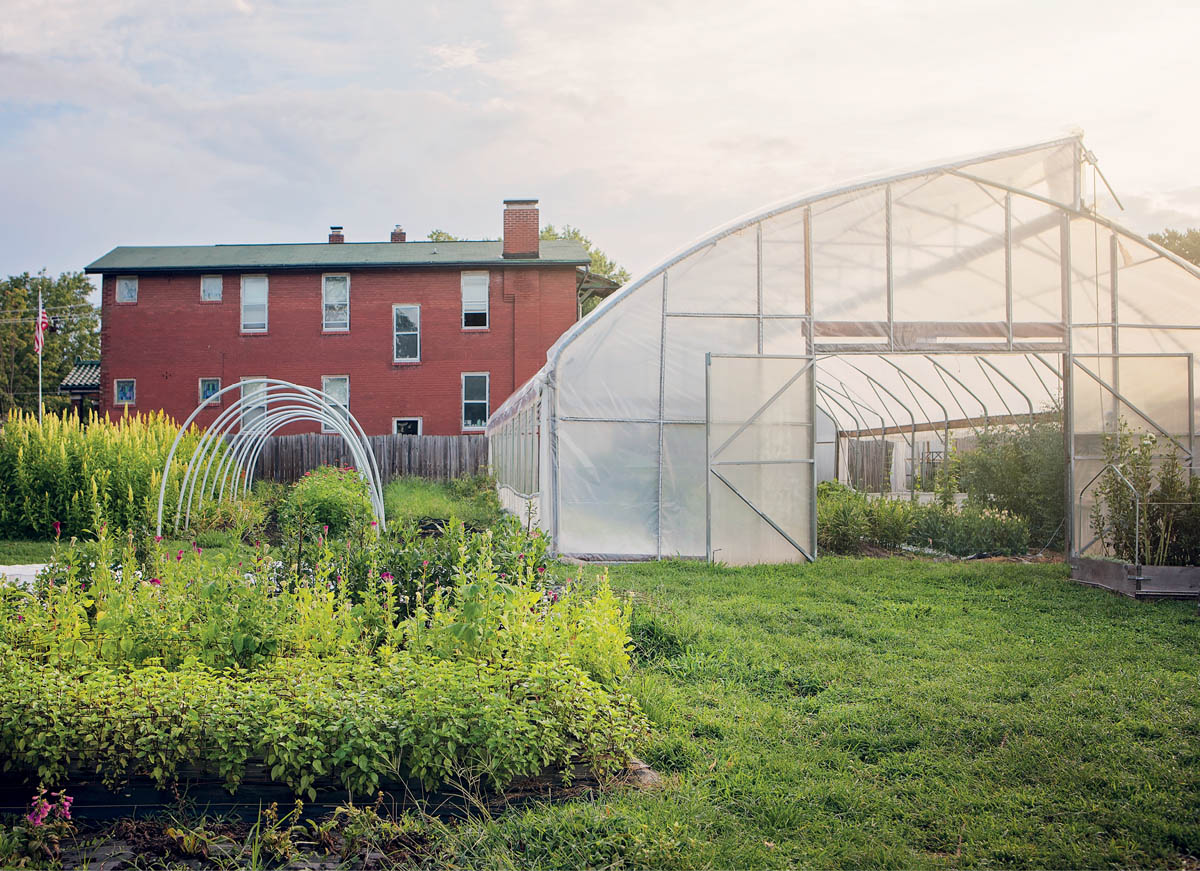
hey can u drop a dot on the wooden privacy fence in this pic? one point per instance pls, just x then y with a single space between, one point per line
286 458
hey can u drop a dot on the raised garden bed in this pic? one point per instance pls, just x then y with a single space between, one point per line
1151 582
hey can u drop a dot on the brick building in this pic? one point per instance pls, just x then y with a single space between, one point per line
419 337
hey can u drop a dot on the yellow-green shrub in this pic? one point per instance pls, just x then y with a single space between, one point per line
80 476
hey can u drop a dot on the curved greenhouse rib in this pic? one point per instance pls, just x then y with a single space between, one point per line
236 456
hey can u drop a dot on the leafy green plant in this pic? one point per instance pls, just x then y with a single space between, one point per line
329 501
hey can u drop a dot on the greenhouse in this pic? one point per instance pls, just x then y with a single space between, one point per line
850 335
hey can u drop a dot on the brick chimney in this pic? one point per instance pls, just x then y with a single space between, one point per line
335 236
398 234
521 229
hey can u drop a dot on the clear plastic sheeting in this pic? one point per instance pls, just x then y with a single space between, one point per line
760 459
920 307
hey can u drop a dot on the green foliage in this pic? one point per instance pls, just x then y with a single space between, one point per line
66 298
419 500
126 665
1164 519
842 523
84 477
1185 243
601 264
329 500
847 520
1020 470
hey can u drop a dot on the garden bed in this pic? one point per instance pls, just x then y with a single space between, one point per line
1153 582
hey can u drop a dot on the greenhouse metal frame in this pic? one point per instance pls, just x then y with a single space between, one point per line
694 411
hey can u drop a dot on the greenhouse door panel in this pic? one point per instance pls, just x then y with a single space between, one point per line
761 505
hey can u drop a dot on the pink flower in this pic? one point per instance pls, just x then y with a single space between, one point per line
387 576
20 618
325 529
541 569
156 582
503 575
374 522
179 556
424 563
520 556
157 539
57 529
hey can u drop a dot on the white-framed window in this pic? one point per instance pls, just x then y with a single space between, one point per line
335 302
475 300
406 425
475 400
254 392
406 333
210 387
211 287
125 391
338 388
127 288
254 303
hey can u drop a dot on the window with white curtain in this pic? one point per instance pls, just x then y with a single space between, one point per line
475 300
211 287
338 388
335 295
254 394
254 303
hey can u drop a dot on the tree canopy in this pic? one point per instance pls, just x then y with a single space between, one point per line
1186 243
602 264
78 335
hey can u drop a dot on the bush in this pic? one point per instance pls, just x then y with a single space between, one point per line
82 477
128 666
1021 470
842 522
846 520
330 500
1166 526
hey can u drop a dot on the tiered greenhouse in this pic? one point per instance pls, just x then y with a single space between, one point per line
694 412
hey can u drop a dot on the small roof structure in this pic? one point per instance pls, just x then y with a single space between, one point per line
84 377
322 255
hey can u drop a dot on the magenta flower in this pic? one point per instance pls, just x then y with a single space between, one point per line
157 539
325 529
20 618
57 529
179 556
374 522
387 576
541 569
424 563
156 582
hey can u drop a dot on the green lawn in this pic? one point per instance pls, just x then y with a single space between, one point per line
471 500
872 713
15 553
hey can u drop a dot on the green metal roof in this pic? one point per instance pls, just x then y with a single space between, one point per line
322 255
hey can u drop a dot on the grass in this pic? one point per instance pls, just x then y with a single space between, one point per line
890 713
15 553
471 500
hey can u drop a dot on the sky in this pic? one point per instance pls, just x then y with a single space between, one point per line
643 123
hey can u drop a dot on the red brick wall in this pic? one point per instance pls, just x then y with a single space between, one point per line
169 339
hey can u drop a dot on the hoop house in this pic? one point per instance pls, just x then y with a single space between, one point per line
695 410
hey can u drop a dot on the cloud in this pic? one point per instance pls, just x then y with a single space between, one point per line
645 124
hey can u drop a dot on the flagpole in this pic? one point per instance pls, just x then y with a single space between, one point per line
39 326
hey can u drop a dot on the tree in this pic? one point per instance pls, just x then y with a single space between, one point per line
442 236
77 335
601 263
1185 244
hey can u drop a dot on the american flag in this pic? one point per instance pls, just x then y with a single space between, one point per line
39 332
